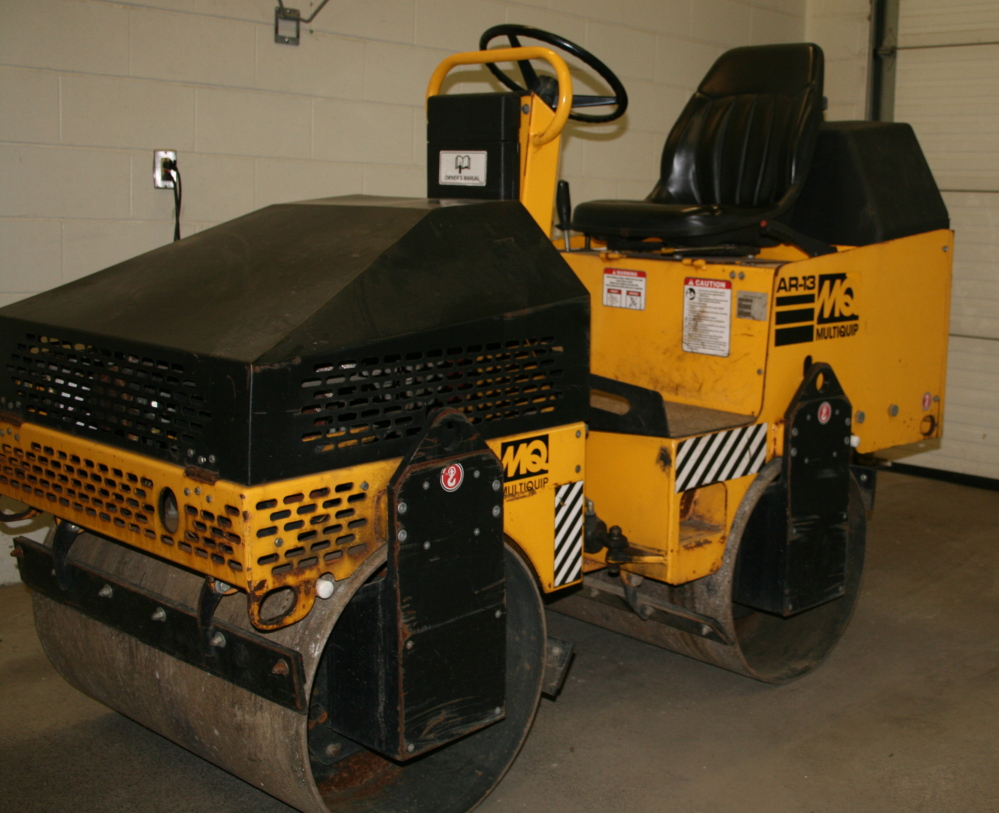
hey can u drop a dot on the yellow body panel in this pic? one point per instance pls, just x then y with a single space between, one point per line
631 482
645 347
535 465
287 533
877 314
892 354
898 354
259 539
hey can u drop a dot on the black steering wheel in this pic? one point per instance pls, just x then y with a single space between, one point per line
535 84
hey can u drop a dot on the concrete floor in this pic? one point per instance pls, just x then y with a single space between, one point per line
902 717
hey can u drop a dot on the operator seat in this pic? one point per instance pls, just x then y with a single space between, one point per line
735 160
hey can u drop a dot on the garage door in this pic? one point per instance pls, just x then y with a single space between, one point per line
947 87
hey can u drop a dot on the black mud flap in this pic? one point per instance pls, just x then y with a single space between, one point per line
419 655
794 549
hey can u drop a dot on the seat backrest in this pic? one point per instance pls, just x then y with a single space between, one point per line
747 135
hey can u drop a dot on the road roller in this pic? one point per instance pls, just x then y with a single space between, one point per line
317 473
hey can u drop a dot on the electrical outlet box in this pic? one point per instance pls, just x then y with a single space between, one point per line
162 179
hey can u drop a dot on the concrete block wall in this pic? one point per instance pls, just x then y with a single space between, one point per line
89 88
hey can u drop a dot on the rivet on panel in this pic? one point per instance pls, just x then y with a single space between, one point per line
496 510
402 535
159 614
105 591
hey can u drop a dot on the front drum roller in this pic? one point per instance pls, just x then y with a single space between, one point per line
701 620
265 743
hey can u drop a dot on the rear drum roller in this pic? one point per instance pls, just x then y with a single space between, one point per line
775 649
265 743
757 644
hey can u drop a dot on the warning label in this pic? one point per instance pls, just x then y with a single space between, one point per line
624 289
707 316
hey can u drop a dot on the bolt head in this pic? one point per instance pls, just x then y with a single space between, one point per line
409 644
497 485
402 508
402 536
496 510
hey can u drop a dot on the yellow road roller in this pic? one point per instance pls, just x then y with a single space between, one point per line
316 472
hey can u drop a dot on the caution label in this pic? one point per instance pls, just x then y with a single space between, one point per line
624 289
707 316
462 168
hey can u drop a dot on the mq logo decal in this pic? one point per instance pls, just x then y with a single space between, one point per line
525 465
810 308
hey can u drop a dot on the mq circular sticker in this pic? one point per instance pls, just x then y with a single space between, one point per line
825 412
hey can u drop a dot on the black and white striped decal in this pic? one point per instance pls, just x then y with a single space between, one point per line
568 533
720 456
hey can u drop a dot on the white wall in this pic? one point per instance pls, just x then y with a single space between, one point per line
842 28
89 88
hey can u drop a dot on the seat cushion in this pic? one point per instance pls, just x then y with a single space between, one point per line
638 219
